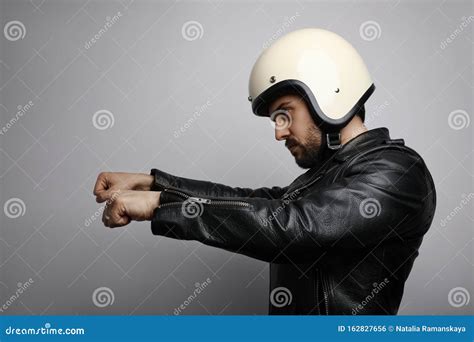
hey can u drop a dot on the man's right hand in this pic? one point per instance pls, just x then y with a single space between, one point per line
109 183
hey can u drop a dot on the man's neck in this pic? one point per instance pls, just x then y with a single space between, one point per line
352 129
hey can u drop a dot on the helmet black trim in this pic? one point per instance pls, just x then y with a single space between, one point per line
261 103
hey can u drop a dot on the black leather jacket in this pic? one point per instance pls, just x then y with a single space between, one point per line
340 239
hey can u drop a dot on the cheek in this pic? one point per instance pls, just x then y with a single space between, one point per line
312 136
298 130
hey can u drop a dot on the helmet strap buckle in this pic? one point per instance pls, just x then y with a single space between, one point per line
333 140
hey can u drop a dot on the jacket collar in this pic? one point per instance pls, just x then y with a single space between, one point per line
370 138
363 141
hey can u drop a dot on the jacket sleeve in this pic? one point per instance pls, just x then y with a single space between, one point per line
164 180
373 201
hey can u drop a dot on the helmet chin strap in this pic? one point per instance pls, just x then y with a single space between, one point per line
331 136
333 140
330 143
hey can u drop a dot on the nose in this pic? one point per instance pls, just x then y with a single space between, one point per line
281 133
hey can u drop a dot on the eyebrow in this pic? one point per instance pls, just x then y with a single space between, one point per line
282 105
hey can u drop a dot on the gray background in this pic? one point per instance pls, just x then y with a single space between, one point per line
152 80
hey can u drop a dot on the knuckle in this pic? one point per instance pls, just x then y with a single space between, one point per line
102 174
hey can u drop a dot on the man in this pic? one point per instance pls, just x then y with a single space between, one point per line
343 236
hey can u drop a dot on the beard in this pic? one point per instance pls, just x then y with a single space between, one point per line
310 153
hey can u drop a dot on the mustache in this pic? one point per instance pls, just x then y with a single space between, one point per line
289 143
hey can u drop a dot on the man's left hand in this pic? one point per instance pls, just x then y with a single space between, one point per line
130 205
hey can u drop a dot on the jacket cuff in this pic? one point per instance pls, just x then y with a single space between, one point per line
164 223
162 180
167 197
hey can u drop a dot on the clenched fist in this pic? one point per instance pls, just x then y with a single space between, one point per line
110 182
125 206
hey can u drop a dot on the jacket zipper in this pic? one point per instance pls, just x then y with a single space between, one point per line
185 196
207 201
326 297
325 293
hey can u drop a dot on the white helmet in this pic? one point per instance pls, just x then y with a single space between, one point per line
323 68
